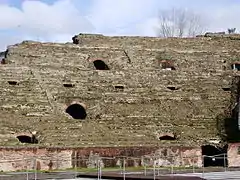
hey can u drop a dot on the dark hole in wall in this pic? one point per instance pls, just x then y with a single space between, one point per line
173 88
12 82
100 65
27 139
3 61
226 88
77 111
98 116
75 40
167 138
119 87
68 85
236 66
214 156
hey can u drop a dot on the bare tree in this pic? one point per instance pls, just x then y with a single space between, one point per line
179 23
231 30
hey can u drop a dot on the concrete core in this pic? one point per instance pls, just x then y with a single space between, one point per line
77 111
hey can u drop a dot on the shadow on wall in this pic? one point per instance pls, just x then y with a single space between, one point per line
228 126
227 122
231 128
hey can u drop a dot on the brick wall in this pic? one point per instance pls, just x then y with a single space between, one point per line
234 155
59 158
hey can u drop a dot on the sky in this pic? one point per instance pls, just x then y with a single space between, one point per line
59 20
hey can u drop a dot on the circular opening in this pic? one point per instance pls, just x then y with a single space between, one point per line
77 111
100 65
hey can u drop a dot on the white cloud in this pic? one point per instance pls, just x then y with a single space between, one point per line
60 21
39 21
10 17
115 15
60 18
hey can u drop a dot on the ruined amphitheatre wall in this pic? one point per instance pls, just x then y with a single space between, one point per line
127 105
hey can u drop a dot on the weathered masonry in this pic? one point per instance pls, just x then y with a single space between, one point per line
121 91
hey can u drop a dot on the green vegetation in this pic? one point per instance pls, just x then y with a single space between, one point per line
163 56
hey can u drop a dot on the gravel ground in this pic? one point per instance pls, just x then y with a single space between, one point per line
208 173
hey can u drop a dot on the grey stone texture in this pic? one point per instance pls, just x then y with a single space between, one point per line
128 105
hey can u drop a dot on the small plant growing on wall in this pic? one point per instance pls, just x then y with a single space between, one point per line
165 61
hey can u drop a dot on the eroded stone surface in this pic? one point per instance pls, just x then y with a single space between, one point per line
185 101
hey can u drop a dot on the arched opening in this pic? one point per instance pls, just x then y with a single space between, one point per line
13 83
27 139
77 111
167 138
100 65
214 156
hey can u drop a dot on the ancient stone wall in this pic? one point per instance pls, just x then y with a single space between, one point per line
22 92
14 159
234 155
60 158
141 105
127 57
129 103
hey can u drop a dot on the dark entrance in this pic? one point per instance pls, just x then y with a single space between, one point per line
236 66
27 139
100 65
167 138
214 156
12 82
77 111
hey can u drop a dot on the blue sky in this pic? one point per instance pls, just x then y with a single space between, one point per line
59 20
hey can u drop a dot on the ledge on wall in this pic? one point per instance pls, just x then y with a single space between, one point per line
77 38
